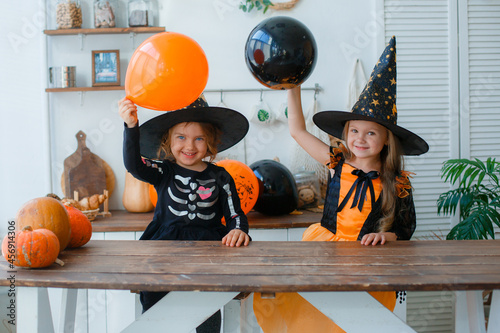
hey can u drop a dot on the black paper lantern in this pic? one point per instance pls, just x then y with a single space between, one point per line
277 189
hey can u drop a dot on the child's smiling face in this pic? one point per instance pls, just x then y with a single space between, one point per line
188 144
366 139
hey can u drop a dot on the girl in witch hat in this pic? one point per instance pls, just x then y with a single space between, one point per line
169 151
369 196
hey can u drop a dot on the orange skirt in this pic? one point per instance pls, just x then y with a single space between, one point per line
291 313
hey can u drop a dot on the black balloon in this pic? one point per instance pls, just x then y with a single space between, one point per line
280 52
277 188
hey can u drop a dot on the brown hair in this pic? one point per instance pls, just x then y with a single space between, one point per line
211 131
391 158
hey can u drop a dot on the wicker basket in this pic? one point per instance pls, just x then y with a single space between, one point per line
284 5
91 214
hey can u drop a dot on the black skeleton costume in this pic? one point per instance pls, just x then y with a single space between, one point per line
190 204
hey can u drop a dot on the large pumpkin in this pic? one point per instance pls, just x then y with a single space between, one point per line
31 248
46 213
136 195
81 228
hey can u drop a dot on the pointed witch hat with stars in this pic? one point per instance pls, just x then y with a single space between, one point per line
377 102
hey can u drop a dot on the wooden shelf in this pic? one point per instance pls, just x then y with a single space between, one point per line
121 220
102 31
102 88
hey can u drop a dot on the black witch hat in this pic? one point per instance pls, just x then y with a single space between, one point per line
232 124
377 102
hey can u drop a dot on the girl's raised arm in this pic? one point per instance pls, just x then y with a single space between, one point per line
297 126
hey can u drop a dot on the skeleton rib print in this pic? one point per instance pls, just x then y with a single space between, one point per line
194 197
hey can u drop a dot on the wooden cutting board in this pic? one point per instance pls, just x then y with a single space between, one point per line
110 180
83 171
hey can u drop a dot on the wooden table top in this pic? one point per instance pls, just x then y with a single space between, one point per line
121 220
270 266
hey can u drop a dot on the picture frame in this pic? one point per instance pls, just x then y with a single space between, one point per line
105 68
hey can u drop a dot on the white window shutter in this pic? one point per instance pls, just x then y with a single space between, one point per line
424 99
449 93
480 78
427 91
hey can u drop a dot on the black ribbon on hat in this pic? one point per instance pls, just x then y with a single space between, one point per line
362 184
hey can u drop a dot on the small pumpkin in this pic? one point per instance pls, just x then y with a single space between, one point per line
136 195
31 248
46 213
81 228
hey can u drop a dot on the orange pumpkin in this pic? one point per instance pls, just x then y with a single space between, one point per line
153 196
136 195
245 180
31 248
81 228
46 213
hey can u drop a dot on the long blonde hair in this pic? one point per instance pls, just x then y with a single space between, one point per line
212 134
391 158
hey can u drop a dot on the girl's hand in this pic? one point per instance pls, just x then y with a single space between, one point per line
378 237
128 111
236 237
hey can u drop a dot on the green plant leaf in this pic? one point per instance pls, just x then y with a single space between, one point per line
478 225
477 197
258 4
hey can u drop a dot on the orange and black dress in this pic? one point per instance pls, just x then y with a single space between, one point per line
352 209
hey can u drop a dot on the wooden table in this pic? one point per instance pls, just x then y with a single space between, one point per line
203 276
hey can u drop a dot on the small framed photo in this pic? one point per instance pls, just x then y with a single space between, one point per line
106 68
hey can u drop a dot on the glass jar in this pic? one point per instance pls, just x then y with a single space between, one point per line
140 13
104 13
68 14
308 190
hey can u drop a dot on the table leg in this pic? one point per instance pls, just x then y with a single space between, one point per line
34 313
182 311
356 312
68 311
494 317
239 316
475 311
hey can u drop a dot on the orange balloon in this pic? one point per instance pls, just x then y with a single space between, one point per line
168 71
153 196
247 183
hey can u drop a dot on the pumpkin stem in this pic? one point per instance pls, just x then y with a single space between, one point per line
59 262
28 228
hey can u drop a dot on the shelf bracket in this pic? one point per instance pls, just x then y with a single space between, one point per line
81 37
82 97
132 40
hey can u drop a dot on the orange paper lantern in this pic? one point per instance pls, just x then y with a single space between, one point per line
168 71
245 180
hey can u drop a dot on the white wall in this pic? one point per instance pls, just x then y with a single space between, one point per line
342 31
23 136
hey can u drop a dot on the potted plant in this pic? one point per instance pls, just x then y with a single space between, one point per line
477 197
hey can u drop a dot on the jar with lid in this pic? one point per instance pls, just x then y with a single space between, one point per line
68 14
308 190
104 13
140 13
